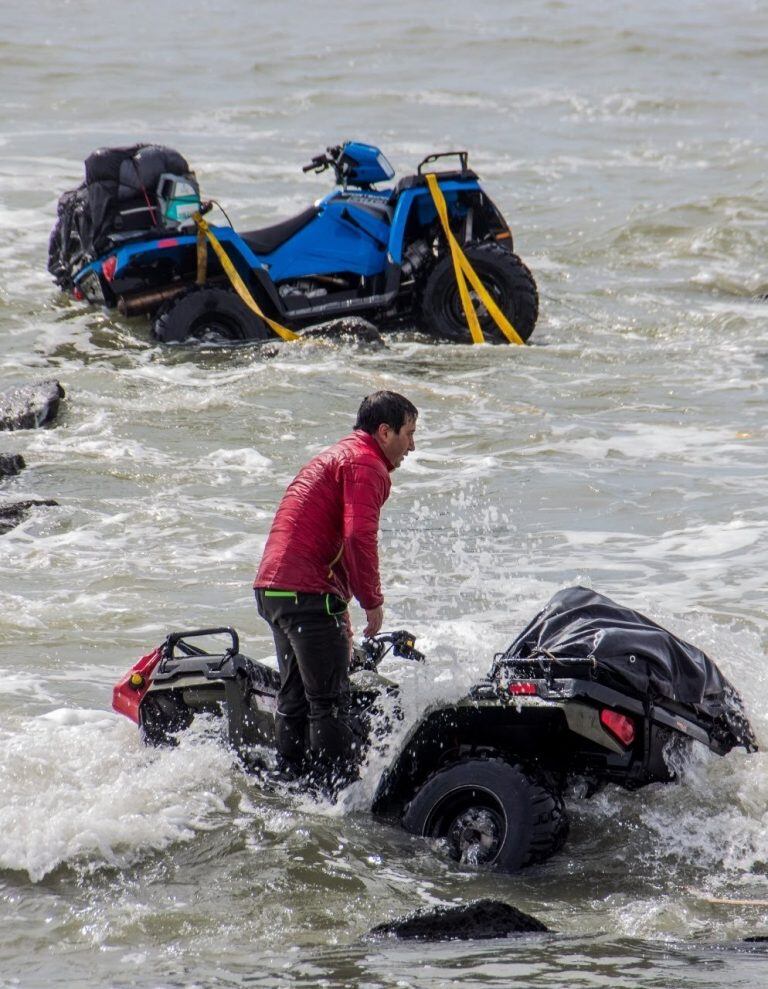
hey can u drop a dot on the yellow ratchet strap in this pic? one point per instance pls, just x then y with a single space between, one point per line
465 272
237 282
202 257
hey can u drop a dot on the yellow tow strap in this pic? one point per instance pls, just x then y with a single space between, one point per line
202 257
465 272
237 282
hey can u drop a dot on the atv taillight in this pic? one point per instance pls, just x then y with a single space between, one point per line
621 726
523 688
77 293
109 267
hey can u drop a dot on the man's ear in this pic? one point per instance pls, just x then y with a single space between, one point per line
382 431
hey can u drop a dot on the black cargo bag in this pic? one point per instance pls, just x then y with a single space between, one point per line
636 656
116 202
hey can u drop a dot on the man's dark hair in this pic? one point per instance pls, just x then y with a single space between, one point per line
384 407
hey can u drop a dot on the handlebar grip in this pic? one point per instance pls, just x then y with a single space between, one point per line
318 162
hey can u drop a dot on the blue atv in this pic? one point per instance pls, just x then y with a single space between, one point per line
132 237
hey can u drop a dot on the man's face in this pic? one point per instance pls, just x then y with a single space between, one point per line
397 446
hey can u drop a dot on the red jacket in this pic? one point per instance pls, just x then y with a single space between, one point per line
324 536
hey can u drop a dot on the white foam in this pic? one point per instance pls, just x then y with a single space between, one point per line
78 789
243 461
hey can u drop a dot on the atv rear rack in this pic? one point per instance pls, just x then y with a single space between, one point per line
553 679
463 157
545 664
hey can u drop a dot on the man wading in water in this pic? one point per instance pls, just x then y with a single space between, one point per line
321 551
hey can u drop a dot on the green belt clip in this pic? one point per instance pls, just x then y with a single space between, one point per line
282 594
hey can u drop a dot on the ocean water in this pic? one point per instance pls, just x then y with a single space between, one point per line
624 449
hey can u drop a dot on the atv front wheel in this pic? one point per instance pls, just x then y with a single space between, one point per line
506 278
208 312
490 814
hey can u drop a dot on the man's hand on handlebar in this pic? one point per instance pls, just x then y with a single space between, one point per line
375 620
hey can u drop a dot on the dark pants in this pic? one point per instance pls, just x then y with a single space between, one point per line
313 653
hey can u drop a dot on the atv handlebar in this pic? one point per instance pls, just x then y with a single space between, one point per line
328 160
371 651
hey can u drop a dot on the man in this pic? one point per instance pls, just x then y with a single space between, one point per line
321 551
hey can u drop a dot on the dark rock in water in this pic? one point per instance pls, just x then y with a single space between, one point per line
270 349
10 464
756 945
481 919
746 946
29 406
347 329
13 513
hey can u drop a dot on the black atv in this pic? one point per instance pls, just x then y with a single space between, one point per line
589 692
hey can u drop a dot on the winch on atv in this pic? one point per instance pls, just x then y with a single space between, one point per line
589 693
132 237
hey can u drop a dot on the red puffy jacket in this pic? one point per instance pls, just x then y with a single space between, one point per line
324 536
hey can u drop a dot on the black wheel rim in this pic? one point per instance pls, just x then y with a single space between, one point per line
456 309
214 323
472 823
475 836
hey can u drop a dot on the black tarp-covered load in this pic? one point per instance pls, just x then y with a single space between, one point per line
117 201
634 655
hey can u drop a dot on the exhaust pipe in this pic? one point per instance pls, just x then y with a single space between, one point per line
143 302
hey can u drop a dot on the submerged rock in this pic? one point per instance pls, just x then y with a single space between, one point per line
11 463
29 406
13 513
347 329
478 920
757 945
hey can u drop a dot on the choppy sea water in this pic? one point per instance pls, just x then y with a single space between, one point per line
624 449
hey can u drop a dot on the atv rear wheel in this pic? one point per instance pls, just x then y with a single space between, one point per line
162 715
506 278
490 814
204 312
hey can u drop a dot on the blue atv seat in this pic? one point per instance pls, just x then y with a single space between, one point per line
268 239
